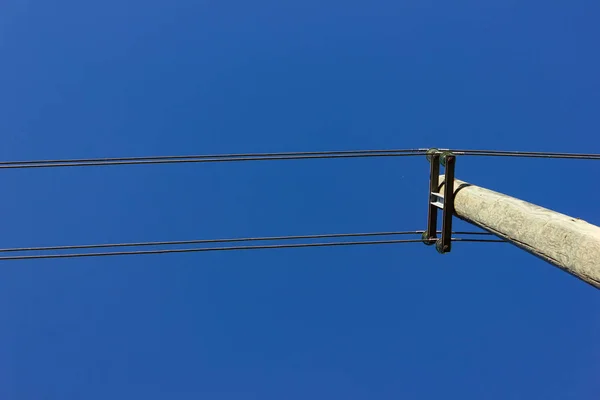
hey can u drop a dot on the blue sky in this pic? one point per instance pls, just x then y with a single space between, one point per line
137 78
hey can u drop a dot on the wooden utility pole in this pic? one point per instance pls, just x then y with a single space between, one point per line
569 243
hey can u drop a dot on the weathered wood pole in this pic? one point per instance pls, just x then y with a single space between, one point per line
571 244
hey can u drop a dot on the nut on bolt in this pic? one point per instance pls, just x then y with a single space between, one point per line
430 152
441 248
443 157
426 239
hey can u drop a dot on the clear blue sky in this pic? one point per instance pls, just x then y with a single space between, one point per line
135 78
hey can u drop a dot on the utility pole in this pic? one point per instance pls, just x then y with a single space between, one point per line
571 244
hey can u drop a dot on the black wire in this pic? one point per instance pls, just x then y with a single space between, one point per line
206 159
469 233
84 162
527 154
231 240
206 241
479 240
206 249
200 156
229 248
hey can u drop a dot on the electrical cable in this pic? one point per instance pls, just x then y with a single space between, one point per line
207 241
527 154
479 240
468 233
214 249
208 158
206 249
230 240
213 158
233 155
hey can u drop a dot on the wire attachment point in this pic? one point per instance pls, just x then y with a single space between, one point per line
444 156
440 200
426 239
431 152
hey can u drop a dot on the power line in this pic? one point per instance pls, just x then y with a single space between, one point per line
233 155
229 248
209 158
479 240
527 154
229 240
206 249
207 241
238 157
466 233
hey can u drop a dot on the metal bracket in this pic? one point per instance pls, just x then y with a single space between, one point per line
430 234
437 200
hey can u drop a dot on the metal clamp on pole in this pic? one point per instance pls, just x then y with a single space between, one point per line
430 235
437 200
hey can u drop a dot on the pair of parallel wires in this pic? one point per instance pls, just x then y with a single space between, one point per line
264 243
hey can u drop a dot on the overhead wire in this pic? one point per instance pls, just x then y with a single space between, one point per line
527 154
471 240
240 157
227 248
214 158
209 241
230 155
227 240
